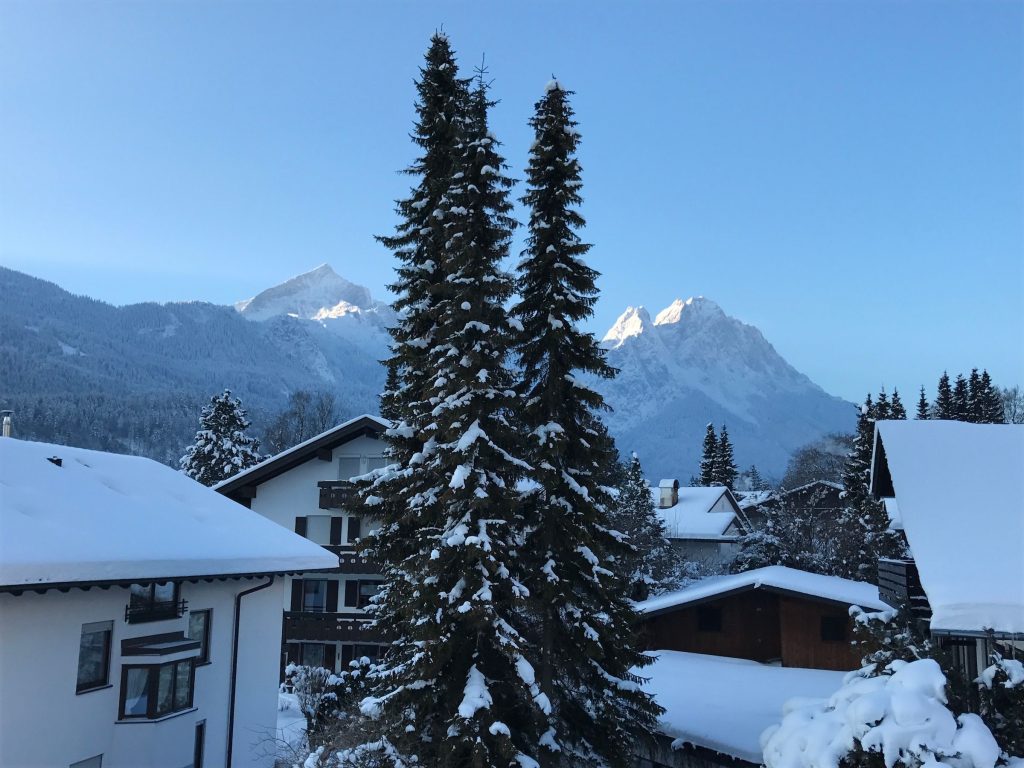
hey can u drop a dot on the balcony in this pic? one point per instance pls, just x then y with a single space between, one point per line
159 611
303 625
336 494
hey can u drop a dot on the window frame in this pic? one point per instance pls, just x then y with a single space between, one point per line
108 630
204 648
358 520
153 671
140 611
323 608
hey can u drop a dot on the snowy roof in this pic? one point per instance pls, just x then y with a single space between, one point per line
960 491
304 451
691 517
101 517
748 499
724 704
777 578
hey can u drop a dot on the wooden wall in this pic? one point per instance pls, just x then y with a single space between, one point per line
750 628
802 645
761 626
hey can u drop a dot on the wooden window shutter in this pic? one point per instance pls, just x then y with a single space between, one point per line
300 526
336 529
330 649
296 594
351 593
332 597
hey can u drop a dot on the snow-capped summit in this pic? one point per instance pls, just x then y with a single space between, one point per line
306 295
694 364
632 322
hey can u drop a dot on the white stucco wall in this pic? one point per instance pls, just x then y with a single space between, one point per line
39 644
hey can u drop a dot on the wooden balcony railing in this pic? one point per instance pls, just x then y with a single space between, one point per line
336 494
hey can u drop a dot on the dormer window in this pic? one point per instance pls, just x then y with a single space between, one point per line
153 602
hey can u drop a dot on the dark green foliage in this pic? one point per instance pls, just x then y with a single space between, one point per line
755 480
651 565
709 457
944 407
725 465
961 399
221 448
923 411
451 522
1001 689
990 402
896 408
583 624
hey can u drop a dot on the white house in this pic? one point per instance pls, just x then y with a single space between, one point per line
307 489
703 523
140 614
959 499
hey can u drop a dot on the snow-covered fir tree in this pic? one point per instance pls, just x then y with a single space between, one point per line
975 406
864 523
652 565
881 410
456 687
755 480
725 465
923 411
709 458
896 408
991 401
583 621
943 408
961 399
221 447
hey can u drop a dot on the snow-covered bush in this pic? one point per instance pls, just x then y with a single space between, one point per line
328 701
1002 702
899 718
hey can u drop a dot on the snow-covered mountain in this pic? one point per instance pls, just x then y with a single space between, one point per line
323 296
693 364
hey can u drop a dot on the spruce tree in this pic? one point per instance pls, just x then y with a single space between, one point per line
896 408
583 623
651 565
991 401
961 399
709 458
221 448
725 466
975 396
456 687
882 410
756 480
864 535
923 411
944 400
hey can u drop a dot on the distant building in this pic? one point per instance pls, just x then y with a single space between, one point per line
774 614
820 501
704 524
308 489
955 489
139 614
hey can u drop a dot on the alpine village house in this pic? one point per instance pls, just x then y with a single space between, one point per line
308 489
139 614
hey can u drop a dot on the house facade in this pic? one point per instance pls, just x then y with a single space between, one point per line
139 615
307 489
704 524
770 615
953 488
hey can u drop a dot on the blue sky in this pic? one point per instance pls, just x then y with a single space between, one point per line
849 177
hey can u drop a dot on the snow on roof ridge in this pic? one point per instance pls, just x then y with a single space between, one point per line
775 576
298 447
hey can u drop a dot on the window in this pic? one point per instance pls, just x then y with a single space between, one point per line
359 591
833 628
92 762
152 602
349 467
94 656
375 462
199 629
355 651
355 525
314 595
157 690
199 745
312 654
709 619
318 528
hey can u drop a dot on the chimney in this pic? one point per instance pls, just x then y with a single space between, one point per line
7 422
668 493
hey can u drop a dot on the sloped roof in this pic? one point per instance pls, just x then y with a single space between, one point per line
691 517
776 578
103 517
303 452
960 492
